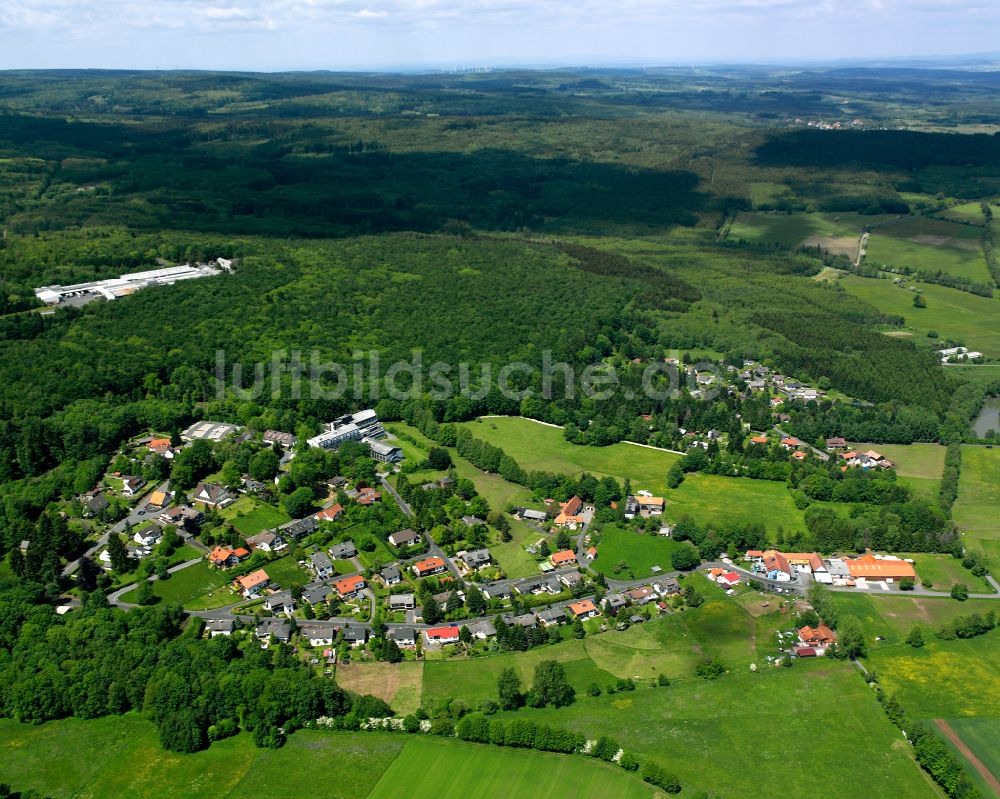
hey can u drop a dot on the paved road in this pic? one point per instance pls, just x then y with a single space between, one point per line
821 454
134 517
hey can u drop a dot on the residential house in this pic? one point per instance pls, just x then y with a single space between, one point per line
570 579
321 565
355 636
131 485
837 442
317 594
405 637
499 591
95 505
549 585
482 629
525 620
582 609
591 553
216 627
429 566
225 558
551 617
298 528
404 538
158 499
345 550
729 579
667 587
251 486
251 585
285 440
790 442
614 602
149 536
642 595
391 575
212 495
281 602
820 635
348 587
570 513
476 558
774 566
402 602
472 521
642 505
317 635
805 562
266 541
442 636
368 496
281 631
759 440
329 514
564 557
183 517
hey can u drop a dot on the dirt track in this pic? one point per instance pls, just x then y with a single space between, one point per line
969 755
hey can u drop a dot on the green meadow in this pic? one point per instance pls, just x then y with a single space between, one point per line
432 768
121 757
191 587
248 515
708 499
977 510
950 313
930 245
982 736
842 230
727 735
919 466
640 552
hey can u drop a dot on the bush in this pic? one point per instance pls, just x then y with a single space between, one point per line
222 729
685 558
628 762
709 668
655 775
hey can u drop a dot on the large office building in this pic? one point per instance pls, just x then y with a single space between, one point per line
353 427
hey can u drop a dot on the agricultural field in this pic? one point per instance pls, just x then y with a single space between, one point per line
706 498
248 515
198 587
438 769
977 510
399 684
950 313
121 756
969 213
837 233
941 572
541 447
721 735
919 466
981 737
640 552
930 245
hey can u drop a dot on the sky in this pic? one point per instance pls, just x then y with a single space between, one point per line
399 34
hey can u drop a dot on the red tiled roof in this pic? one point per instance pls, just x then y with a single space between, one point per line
253 579
870 567
564 556
348 585
429 564
438 633
572 506
331 513
581 607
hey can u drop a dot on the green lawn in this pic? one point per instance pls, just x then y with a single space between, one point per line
723 735
285 570
982 736
944 571
640 552
791 230
121 757
968 212
977 510
932 245
919 466
190 587
950 313
432 768
539 447
706 498
249 515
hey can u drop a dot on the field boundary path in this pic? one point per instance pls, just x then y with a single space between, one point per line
968 754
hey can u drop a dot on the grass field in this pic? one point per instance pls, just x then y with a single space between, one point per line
723 735
541 447
190 587
944 571
399 684
249 515
706 498
982 736
285 571
969 212
431 768
640 552
121 757
977 510
943 679
836 232
920 466
931 245
952 314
